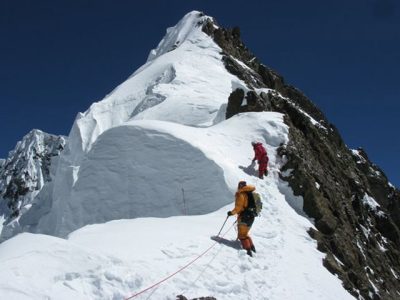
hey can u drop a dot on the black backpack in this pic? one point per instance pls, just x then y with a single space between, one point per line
254 205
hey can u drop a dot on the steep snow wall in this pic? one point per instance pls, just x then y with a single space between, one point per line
133 172
160 169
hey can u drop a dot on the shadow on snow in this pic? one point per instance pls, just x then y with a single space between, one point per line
235 244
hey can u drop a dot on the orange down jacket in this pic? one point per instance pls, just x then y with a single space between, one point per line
241 199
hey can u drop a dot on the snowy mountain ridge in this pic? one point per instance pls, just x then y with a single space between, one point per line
162 79
178 34
148 174
26 170
188 86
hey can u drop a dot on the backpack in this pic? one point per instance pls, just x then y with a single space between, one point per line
254 205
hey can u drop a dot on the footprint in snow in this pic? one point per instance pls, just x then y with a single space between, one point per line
266 235
178 253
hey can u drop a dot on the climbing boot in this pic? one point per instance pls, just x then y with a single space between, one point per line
249 253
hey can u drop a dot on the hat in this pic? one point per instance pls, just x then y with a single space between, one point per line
241 184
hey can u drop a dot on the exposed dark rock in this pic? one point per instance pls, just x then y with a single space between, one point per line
255 74
333 187
26 170
254 102
234 103
360 236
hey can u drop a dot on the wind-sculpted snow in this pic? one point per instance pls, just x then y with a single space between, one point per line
187 85
178 34
153 98
117 259
158 169
135 172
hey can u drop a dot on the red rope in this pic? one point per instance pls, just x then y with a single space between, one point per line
180 270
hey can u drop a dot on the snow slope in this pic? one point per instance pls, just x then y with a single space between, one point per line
153 168
114 260
187 85
156 168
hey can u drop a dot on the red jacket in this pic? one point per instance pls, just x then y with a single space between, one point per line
260 153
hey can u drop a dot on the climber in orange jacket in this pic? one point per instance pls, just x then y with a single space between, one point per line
244 219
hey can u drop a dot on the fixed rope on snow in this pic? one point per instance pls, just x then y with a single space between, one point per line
181 269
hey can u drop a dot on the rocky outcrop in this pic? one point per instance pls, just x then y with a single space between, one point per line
355 209
358 233
241 62
26 170
253 102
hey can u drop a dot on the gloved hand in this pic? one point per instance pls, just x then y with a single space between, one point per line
229 213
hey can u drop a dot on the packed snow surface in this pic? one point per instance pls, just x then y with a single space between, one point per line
144 185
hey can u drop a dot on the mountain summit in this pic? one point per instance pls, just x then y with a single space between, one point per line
147 174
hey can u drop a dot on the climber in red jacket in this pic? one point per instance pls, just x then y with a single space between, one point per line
260 154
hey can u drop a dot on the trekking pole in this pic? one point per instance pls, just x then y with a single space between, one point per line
223 225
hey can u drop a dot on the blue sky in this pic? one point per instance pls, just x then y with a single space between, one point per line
57 57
